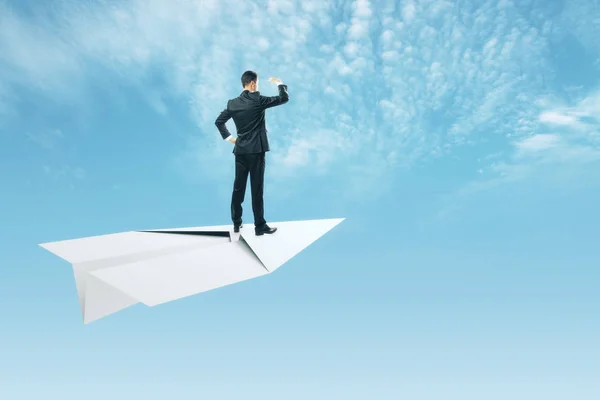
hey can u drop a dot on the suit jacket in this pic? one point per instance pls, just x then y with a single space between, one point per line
248 113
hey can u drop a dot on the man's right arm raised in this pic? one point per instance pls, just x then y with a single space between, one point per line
272 101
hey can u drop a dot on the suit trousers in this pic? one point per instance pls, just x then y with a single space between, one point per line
253 164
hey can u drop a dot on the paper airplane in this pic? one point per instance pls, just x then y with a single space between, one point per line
118 270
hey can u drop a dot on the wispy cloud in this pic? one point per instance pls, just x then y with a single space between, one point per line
584 115
64 172
46 138
374 85
558 118
315 150
581 18
538 142
570 145
35 54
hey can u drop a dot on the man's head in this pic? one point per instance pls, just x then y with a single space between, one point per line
250 81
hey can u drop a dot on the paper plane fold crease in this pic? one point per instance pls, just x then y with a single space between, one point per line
115 271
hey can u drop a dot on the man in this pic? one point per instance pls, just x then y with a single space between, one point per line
250 146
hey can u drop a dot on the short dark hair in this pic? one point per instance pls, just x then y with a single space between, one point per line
247 77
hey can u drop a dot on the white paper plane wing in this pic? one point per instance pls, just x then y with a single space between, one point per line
171 277
115 271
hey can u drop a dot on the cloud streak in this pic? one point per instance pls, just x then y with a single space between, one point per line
571 144
47 139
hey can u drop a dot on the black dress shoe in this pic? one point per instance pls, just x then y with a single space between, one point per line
236 228
264 229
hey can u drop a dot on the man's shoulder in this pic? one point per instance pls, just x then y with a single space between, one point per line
244 96
231 101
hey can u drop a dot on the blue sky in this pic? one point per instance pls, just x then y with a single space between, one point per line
459 139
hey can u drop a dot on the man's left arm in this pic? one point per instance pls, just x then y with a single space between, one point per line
220 123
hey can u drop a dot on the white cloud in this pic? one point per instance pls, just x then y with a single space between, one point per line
401 82
315 149
32 58
581 120
359 27
390 56
575 148
558 118
351 49
566 155
409 11
538 142
387 37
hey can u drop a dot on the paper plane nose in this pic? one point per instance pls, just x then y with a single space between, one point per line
291 238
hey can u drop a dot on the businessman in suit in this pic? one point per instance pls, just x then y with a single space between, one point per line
250 147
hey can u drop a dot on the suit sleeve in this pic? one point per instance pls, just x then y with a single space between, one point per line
272 101
220 123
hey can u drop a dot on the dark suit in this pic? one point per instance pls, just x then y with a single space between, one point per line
248 113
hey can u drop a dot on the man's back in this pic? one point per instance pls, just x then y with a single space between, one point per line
248 113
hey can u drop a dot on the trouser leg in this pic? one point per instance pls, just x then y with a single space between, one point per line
257 179
239 189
